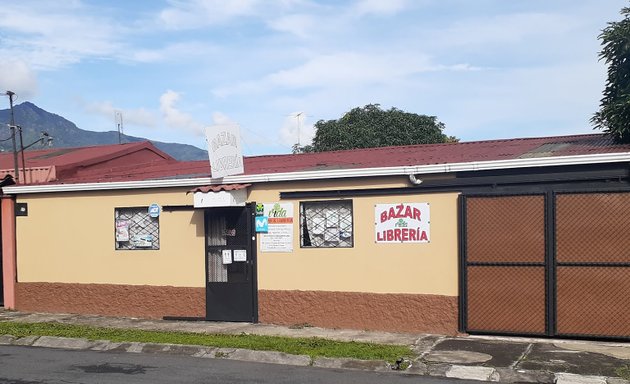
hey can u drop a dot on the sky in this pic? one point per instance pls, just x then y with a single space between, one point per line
488 69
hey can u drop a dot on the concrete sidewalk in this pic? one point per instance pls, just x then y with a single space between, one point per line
499 359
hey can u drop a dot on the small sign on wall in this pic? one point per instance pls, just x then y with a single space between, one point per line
262 224
154 210
279 234
240 255
226 255
402 223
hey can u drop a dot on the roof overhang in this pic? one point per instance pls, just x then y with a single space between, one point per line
330 174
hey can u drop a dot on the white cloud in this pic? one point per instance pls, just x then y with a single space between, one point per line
380 7
17 76
300 25
219 118
139 116
173 52
190 14
345 69
294 125
48 36
174 118
505 29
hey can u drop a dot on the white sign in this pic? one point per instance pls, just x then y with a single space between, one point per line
402 223
279 235
154 210
226 254
240 255
122 230
142 241
234 198
224 150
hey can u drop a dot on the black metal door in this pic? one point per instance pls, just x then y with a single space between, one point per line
231 264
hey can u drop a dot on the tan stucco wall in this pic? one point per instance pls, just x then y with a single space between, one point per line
425 268
77 231
69 238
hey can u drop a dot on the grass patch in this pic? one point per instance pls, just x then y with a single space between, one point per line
623 372
313 346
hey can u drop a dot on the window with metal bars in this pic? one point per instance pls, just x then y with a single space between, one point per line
326 224
136 229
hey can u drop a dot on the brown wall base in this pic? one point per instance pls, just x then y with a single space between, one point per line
111 300
370 311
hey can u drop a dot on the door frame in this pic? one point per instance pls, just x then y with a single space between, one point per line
252 248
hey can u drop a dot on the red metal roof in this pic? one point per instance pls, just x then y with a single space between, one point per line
66 163
412 155
80 155
428 154
219 188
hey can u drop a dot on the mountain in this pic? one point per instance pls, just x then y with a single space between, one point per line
65 133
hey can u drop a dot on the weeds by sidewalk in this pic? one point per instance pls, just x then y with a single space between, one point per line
313 347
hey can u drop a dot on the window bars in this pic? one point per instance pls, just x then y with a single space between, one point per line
135 229
326 224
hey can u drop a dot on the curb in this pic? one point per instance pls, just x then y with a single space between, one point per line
479 373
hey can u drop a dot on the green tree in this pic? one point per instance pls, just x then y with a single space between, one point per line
614 110
371 126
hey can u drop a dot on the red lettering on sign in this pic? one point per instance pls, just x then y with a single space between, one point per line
399 212
402 235
408 212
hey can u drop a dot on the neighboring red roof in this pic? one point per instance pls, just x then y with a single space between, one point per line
64 163
79 155
411 155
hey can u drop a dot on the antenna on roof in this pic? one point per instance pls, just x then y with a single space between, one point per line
119 125
297 116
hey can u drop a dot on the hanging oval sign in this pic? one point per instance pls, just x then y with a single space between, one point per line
154 210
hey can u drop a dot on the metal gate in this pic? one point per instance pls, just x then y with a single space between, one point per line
593 264
554 264
231 292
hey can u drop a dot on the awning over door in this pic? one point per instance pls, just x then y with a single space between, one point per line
221 195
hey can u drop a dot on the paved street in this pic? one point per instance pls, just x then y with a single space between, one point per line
28 365
503 359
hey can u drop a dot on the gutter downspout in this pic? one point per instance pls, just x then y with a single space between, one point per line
414 180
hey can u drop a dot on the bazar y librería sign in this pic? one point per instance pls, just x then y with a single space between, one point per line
402 223
224 150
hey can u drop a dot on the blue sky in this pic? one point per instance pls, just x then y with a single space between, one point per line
486 68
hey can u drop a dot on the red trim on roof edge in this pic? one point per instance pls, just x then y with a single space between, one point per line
218 188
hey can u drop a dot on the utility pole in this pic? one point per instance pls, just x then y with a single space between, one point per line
119 125
12 127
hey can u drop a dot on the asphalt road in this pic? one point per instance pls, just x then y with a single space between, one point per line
28 365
